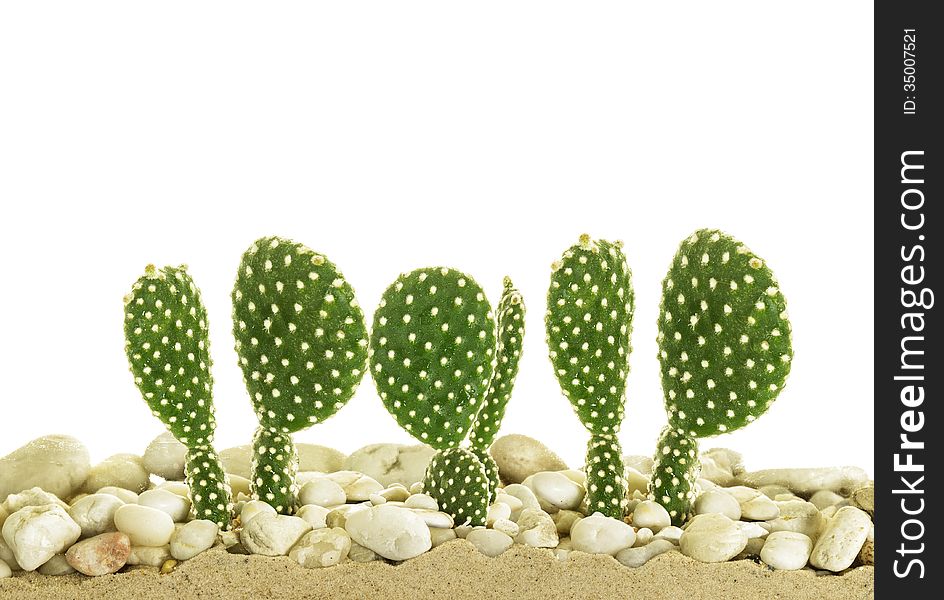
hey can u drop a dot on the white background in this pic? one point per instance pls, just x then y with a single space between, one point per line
484 136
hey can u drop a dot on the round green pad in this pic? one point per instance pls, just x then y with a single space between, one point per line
300 334
724 340
458 482
432 353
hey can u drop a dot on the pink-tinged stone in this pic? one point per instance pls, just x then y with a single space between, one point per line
100 555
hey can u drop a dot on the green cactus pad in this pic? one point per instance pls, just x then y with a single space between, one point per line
675 467
606 480
458 482
433 352
724 340
169 352
274 465
510 322
300 334
209 489
589 321
491 471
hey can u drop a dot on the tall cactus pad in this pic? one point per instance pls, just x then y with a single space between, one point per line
274 465
491 470
300 334
606 480
433 352
675 468
209 487
510 320
458 482
724 340
169 352
589 321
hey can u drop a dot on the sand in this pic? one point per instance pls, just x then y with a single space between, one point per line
455 571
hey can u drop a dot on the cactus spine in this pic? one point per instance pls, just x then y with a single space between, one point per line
590 307
432 355
302 345
725 353
168 351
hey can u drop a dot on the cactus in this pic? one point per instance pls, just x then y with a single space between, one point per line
302 345
432 357
457 478
589 317
169 354
725 353
510 324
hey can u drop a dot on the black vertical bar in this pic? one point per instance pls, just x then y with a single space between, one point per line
909 372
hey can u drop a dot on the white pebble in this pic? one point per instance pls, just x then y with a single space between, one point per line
514 503
177 487
357 486
652 515
321 548
322 492
670 533
176 507
165 457
126 496
716 501
643 537
144 526
273 535
799 516
525 496
554 491
5 570
421 501
497 511
37 533
786 550
95 513
394 532
440 536
150 556
598 534
315 515
193 538
841 541
824 498
760 508
636 481
507 526
536 528
637 557
435 518
252 509
31 497
565 519
489 542
712 538
751 529
239 486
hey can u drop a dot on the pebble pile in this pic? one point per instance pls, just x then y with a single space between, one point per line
130 510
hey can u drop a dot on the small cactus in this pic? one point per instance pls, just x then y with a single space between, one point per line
458 481
432 355
302 345
168 351
725 353
589 317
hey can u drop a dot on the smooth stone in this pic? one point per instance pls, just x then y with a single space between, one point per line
145 526
435 518
315 515
786 550
637 557
774 491
273 535
337 516
190 539
639 462
760 508
396 493
636 482
714 472
652 515
124 471
126 496
421 501
519 456
254 508
100 555
360 554
56 567
752 529
489 541
643 536
322 492
511 501
741 493
391 463
311 457
727 459
577 476
864 498
805 482
825 498
671 533
165 457
440 536
357 486
554 491
5 570
239 485
95 513
176 507
7 556
149 556
498 511
321 548
37 533
180 488
31 497
565 519
58 464
715 501
524 495
798 516
841 540
507 526
393 532
598 534
712 538
536 529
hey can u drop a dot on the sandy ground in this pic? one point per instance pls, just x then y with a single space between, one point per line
455 571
